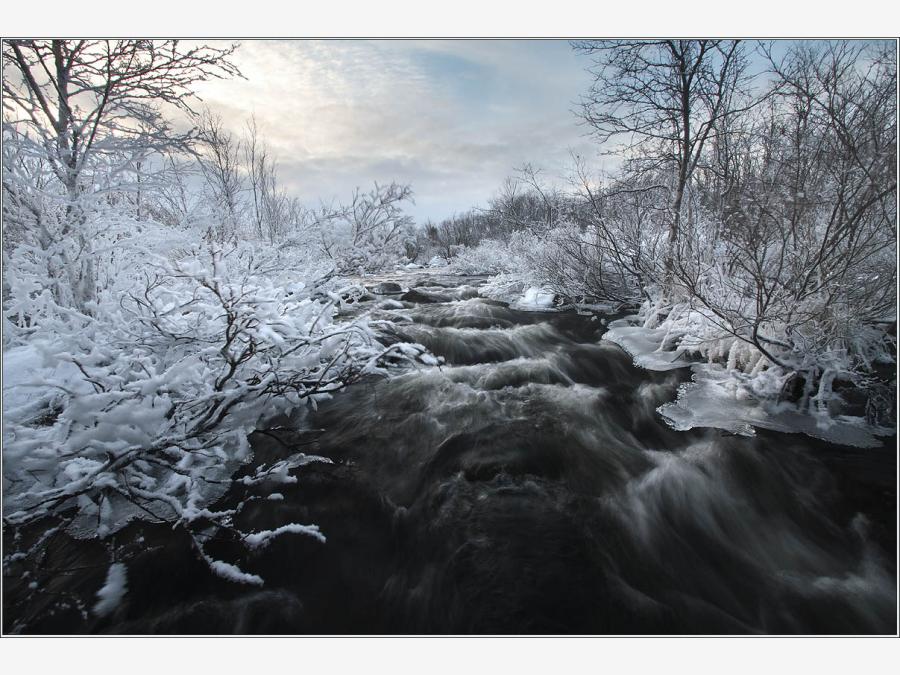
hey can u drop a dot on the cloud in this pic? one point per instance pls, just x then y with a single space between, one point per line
453 118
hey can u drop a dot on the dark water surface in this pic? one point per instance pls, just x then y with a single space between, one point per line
526 486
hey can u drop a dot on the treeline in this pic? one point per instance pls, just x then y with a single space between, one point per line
523 203
755 203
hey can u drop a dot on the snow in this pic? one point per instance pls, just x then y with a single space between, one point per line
503 288
263 538
87 404
29 376
109 597
233 573
535 299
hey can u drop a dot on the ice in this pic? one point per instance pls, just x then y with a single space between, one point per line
646 345
716 398
727 398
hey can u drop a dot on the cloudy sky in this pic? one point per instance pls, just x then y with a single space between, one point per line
452 118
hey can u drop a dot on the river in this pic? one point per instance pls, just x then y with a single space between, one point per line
527 485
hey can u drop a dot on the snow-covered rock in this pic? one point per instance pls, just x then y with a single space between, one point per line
387 288
536 299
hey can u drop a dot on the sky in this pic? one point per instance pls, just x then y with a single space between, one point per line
451 118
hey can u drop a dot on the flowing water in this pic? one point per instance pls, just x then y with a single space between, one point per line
528 485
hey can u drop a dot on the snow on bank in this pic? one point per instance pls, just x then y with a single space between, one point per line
517 292
520 293
728 399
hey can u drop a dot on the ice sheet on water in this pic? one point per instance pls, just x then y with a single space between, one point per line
716 398
725 399
646 346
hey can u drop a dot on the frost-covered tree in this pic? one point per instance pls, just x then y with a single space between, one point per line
370 232
273 212
89 108
661 102
801 261
219 157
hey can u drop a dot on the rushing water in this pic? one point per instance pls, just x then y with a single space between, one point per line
528 485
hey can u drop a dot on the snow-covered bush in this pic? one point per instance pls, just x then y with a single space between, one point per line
147 403
567 259
576 263
489 257
136 360
370 233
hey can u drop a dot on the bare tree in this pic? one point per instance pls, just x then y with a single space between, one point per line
81 104
623 238
539 194
664 101
220 162
270 205
175 202
369 232
82 98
